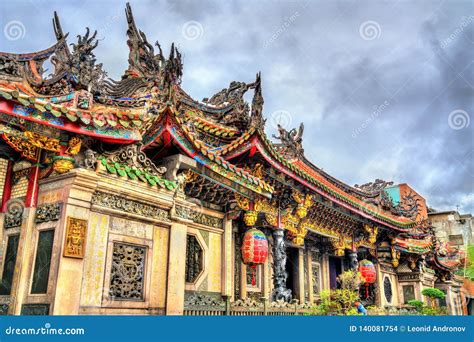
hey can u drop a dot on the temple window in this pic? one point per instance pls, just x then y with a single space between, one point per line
387 289
194 259
442 301
9 265
408 293
127 273
42 262
456 239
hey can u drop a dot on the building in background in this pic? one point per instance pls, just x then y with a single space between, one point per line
453 227
456 230
130 197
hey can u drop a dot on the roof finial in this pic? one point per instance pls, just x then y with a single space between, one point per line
58 31
257 103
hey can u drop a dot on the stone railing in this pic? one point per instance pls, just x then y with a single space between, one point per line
199 304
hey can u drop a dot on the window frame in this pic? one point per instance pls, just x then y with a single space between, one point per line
107 301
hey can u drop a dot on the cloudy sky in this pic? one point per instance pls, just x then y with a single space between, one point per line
385 88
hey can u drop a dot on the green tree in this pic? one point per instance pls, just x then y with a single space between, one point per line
470 263
433 294
418 304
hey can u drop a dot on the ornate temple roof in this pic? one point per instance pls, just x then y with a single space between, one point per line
148 106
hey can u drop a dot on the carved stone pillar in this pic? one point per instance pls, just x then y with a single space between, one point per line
301 278
176 270
227 263
279 261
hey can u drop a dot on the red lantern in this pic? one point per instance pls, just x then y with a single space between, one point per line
254 249
368 273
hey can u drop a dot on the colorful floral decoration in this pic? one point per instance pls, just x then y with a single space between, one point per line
254 250
368 274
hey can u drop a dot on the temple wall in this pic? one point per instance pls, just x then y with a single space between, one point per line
3 173
453 300
210 279
387 283
118 247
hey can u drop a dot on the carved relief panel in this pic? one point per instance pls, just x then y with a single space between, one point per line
75 244
127 273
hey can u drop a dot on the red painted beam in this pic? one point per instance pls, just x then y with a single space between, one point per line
7 186
7 108
33 185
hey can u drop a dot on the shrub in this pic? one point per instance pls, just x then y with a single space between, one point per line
325 304
418 304
352 312
350 280
349 291
429 311
340 301
433 293
432 311
345 299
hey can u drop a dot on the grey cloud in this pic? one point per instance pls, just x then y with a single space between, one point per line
316 66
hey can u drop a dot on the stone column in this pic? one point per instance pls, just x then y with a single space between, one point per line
266 279
325 272
279 261
301 279
81 185
227 257
176 270
21 279
26 246
310 276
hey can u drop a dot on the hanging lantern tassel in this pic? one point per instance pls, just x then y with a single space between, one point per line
254 272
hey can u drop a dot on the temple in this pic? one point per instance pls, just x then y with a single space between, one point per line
130 197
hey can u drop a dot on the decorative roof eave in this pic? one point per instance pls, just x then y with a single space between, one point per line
413 246
135 174
256 139
237 145
446 266
212 164
210 127
188 100
43 54
101 125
